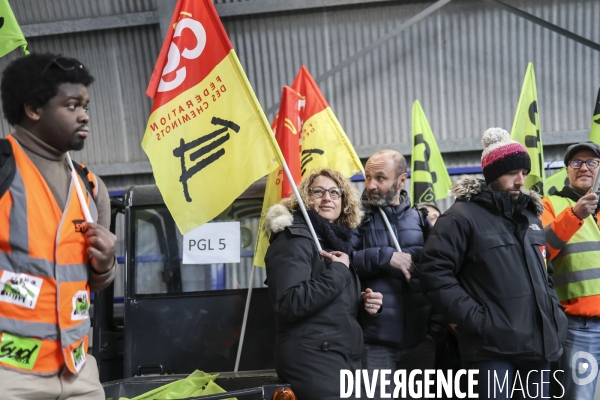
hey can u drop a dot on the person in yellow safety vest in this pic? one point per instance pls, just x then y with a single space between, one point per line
50 258
571 228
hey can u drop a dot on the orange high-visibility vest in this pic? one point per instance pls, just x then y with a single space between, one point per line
44 293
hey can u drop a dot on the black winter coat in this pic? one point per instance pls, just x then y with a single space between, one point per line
404 319
316 304
483 268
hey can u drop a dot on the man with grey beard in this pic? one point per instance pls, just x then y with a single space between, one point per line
398 339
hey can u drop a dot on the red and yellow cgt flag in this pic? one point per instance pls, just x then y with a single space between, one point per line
207 137
287 132
324 143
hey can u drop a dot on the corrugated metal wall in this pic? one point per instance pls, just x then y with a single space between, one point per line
465 63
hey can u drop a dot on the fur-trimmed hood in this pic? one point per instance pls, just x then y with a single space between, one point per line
469 189
278 218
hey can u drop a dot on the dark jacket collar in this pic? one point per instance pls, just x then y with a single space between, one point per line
475 190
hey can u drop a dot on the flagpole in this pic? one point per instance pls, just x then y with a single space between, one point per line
387 223
301 204
288 174
246 312
389 227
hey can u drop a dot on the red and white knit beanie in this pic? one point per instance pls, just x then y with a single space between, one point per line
501 154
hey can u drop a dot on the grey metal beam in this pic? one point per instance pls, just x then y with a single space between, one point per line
165 11
90 24
545 24
269 6
372 46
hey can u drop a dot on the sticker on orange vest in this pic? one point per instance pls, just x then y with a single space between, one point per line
18 351
20 289
543 251
81 306
78 356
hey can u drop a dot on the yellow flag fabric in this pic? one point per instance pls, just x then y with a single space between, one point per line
556 182
324 142
595 130
526 130
325 145
430 180
207 137
197 384
11 36
559 180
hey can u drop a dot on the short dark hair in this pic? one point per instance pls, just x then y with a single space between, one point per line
23 83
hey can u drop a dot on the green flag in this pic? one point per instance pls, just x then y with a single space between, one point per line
11 36
556 182
430 179
526 130
595 130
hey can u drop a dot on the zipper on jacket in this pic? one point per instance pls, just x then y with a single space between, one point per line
535 307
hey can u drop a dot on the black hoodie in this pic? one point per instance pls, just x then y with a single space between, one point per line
483 269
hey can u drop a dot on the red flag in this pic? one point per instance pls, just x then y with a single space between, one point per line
288 134
289 127
206 128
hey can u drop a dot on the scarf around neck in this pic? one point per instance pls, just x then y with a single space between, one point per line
333 236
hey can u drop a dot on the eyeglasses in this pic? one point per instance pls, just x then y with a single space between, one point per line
66 64
318 192
591 164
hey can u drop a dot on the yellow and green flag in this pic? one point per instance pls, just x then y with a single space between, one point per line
526 130
430 180
207 137
595 130
11 36
559 180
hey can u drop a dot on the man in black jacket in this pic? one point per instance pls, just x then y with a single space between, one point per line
484 268
397 339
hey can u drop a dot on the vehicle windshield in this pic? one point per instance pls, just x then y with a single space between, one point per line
157 253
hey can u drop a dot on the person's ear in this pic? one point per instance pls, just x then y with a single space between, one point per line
32 112
401 179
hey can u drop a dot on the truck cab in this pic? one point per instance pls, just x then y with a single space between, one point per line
174 318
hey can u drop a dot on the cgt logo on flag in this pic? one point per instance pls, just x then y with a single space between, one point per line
174 55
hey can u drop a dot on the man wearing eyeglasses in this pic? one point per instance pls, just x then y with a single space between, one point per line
571 227
50 257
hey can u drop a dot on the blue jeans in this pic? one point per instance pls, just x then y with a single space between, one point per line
376 356
496 379
583 336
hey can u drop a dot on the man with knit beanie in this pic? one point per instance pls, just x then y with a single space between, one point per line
484 268
571 226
